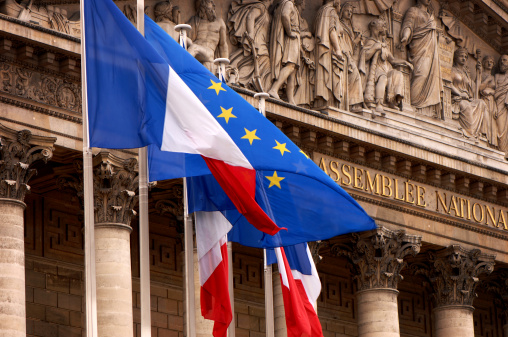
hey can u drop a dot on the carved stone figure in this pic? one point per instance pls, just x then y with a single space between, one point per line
501 97
382 83
208 34
328 55
470 112
487 90
419 32
305 93
375 7
285 49
350 44
249 29
167 17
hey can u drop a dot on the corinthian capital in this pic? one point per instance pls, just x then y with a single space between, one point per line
453 273
19 150
378 256
115 183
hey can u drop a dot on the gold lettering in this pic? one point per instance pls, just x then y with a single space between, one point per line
420 192
387 186
490 214
396 195
347 174
468 209
322 165
475 217
501 216
334 166
461 205
453 207
441 201
358 178
410 192
370 184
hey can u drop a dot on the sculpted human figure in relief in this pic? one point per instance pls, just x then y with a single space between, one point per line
208 34
328 54
305 93
167 17
501 97
285 49
469 111
487 90
419 33
382 83
350 44
249 28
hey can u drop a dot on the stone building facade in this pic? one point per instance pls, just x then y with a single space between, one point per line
403 103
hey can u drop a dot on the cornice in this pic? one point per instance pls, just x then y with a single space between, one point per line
39 28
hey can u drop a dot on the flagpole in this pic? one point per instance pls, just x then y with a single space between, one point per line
269 319
144 229
190 308
90 281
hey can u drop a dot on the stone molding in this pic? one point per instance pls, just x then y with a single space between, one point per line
115 184
377 256
19 150
453 273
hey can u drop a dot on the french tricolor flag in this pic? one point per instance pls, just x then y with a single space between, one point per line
300 290
211 239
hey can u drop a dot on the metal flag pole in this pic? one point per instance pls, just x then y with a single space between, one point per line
270 323
190 312
144 230
221 70
90 282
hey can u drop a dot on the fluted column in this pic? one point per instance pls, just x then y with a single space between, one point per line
378 258
115 183
18 151
454 275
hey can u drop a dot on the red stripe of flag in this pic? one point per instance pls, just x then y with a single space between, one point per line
239 184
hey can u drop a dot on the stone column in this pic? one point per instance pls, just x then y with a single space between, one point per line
378 258
115 183
18 151
454 276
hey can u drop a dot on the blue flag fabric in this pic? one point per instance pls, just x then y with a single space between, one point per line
297 258
128 107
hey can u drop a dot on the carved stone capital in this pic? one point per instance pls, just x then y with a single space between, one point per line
19 150
453 273
378 256
115 183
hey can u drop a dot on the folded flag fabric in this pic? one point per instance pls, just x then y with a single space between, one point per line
300 289
211 230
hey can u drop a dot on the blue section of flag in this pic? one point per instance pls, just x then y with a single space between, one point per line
126 80
297 257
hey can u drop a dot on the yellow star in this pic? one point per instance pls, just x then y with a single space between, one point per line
217 87
226 114
281 148
250 135
305 154
275 179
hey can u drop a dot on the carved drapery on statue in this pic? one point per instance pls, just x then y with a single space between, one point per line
285 49
487 90
501 98
350 43
426 81
304 95
249 24
329 89
470 112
